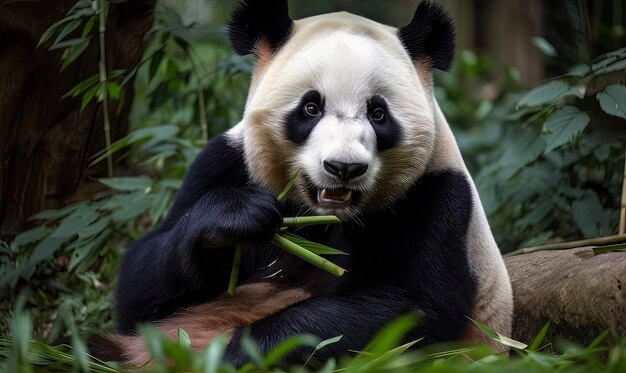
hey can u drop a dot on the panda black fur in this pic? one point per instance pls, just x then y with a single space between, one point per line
415 229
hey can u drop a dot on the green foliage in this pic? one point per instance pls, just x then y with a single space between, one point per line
546 167
387 352
83 13
71 254
613 100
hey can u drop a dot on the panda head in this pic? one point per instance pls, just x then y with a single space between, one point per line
346 100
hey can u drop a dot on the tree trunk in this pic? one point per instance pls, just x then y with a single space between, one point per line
583 294
45 142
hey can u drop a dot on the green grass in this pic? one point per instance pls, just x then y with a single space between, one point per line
388 352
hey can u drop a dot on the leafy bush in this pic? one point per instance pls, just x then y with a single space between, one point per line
71 254
545 164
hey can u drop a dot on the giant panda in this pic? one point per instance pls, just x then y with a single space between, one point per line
350 103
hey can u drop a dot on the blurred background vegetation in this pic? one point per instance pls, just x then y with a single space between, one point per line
95 137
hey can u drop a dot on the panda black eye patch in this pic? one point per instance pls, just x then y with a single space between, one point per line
387 129
303 118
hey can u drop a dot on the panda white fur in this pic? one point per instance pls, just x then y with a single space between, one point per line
348 102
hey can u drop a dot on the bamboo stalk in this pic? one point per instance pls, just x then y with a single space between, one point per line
103 84
622 212
289 186
572 244
308 256
301 221
234 272
204 126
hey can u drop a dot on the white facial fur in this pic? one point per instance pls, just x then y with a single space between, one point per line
348 60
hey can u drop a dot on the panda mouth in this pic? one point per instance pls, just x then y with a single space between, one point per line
340 196
333 198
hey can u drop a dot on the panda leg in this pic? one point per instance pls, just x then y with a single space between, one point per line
203 323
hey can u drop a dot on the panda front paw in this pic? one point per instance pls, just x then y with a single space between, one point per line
248 216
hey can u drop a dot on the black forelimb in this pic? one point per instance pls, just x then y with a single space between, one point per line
187 258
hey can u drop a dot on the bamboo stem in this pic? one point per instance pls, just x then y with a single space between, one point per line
308 256
234 272
204 125
622 212
570 245
301 221
103 84
202 112
290 183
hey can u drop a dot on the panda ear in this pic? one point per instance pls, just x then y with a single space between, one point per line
430 35
253 21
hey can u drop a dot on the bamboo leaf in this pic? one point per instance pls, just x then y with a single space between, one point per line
288 345
321 345
534 345
32 235
79 349
252 349
155 61
613 100
66 30
544 94
127 184
114 90
88 96
59 213
183 338
485 329
85 252
74 53
88 27
328 341
82 86
387 356
314 247
597 340
392 334
590 216
563 126
69 43
152 341
498 337
511 342
51 31
304 254
214 354
544 46
609 248
161 200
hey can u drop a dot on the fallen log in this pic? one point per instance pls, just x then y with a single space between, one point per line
582 293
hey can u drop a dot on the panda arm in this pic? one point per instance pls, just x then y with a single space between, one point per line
188 257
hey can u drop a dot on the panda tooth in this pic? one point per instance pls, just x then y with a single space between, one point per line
348 196
323 194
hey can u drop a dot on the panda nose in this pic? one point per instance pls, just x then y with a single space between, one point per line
345 171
